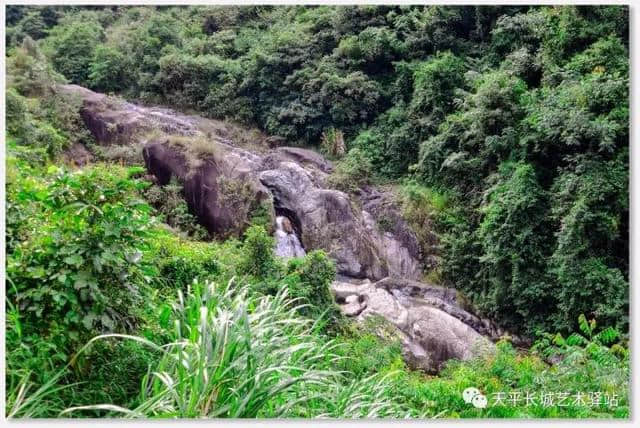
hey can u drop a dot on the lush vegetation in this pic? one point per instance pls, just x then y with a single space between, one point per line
504 129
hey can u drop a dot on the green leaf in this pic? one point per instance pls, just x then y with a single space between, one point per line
165 314
558 340
74 260
88 320
584 325
608 336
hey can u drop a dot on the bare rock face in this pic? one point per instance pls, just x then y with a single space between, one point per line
117 121
307 157
429 334
221 190
224 186
326 220
396 239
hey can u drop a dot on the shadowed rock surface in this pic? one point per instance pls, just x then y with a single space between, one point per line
226 184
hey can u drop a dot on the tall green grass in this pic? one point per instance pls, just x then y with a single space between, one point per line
235 355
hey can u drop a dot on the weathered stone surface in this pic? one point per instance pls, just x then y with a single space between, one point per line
116 121
326 220
382 205
430 335
226 183
307 157
221 191
353 306
367 237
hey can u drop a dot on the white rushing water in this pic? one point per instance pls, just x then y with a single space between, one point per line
287 242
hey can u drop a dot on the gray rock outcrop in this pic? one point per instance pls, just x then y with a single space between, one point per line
226 183
433 329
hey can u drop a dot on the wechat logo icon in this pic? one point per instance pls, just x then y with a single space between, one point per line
473 396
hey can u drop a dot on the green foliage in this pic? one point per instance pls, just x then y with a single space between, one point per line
172 209
232 355
333 143
598 351
28 71
352 171
72 48
390 144
374 48
180 260
108 70
512 235
109 372
590 258
434 85
421 208
370 347
309 279
509 372
17 112
78 265
259 256
470 143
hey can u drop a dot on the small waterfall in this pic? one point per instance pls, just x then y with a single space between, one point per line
287 242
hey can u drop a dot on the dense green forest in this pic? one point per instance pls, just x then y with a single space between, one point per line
502 130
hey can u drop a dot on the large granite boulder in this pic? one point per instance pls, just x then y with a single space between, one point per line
221 190
430 335
115 121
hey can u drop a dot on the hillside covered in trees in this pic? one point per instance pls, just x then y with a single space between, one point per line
499 136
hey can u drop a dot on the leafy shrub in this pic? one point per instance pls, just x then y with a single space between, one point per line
373 49
173 209
42 134
258 257
333 143
108 372
28 70
352 172
434 85
471 142
512 234
370 347
72 47
17 113
590 258
309 279
107 70
180 272
82 270
508 373
391 144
